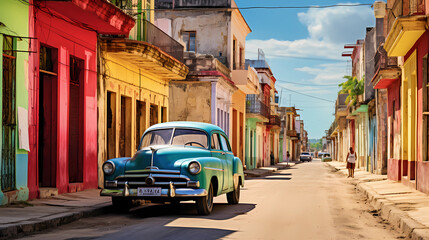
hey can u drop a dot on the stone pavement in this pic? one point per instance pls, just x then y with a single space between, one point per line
264 171
405 208
20 219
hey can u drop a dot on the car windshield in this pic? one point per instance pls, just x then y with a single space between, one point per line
305 153
327 155
181 137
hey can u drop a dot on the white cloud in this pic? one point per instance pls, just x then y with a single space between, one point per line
328 29
325 74
337 25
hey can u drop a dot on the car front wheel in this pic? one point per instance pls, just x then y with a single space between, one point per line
205 204
234 196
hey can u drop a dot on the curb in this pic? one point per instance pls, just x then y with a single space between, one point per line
51 221
387 210
266 172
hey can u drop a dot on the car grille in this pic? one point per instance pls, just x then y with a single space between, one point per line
138 180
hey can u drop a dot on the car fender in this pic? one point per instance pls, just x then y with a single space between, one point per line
238 171
119 168
210 167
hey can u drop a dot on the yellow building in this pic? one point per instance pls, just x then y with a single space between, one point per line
133 89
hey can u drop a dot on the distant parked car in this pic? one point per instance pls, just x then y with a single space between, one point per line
305 156
326 157
176 161
320 154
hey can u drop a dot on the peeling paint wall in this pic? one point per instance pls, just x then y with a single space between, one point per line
190 101
211 27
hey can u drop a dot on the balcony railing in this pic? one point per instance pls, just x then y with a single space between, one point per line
146 31
274 120
291 133
382 61
254 105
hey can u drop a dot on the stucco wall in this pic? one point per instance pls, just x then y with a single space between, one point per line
190 101
210 26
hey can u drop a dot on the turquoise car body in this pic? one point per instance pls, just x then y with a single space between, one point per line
170 171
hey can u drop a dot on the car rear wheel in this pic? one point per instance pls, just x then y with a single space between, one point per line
205 204
234 196
122 204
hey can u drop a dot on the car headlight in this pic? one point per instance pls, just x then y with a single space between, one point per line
194 168
108 168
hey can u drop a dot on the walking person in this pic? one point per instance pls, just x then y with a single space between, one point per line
287 157
351 162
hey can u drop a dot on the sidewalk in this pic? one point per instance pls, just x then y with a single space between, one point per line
265 171
24 218
405 208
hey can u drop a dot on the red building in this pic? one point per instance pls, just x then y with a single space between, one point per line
63 91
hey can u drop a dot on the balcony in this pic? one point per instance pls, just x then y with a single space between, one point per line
255 107
147 32
291 133
274 120
386 69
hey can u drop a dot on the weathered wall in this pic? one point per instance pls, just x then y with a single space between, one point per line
211 30
238 133
190 101
382 131
370 50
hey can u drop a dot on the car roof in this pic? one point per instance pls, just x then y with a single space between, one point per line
186 124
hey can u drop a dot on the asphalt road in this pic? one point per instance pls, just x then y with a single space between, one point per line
308 201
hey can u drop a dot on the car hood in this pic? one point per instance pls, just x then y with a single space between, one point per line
165 157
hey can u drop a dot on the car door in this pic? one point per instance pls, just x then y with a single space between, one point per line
217 152
229 158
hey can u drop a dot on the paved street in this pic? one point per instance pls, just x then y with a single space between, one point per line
308 201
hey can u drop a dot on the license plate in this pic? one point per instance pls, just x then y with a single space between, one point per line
144 192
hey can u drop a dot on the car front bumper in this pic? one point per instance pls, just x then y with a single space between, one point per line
165 192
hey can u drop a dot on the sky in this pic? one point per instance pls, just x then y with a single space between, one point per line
303 48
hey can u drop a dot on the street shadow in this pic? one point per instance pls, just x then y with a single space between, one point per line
275 178
281 174
221 211
158 229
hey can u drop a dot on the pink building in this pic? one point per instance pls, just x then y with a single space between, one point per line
63 91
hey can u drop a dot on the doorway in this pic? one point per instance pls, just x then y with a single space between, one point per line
48 85
9 116
111 125
76 120
140 121
125 131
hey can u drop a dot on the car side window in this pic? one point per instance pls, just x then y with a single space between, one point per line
215 141
225 145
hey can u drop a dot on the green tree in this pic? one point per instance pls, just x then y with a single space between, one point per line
353 87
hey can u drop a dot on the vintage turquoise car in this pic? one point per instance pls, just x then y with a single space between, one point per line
176 161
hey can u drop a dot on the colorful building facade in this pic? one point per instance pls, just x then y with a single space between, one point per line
14 91
63 92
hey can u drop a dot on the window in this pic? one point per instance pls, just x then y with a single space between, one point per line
189 137
225 144
189 38
215 141
157 137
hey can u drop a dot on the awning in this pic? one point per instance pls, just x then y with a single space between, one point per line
384 77
99 15
403 35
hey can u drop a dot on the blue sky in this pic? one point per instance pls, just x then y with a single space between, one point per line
304 46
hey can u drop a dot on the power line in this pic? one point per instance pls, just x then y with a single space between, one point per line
315 85
323 99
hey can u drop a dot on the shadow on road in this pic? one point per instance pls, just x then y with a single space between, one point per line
221 211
